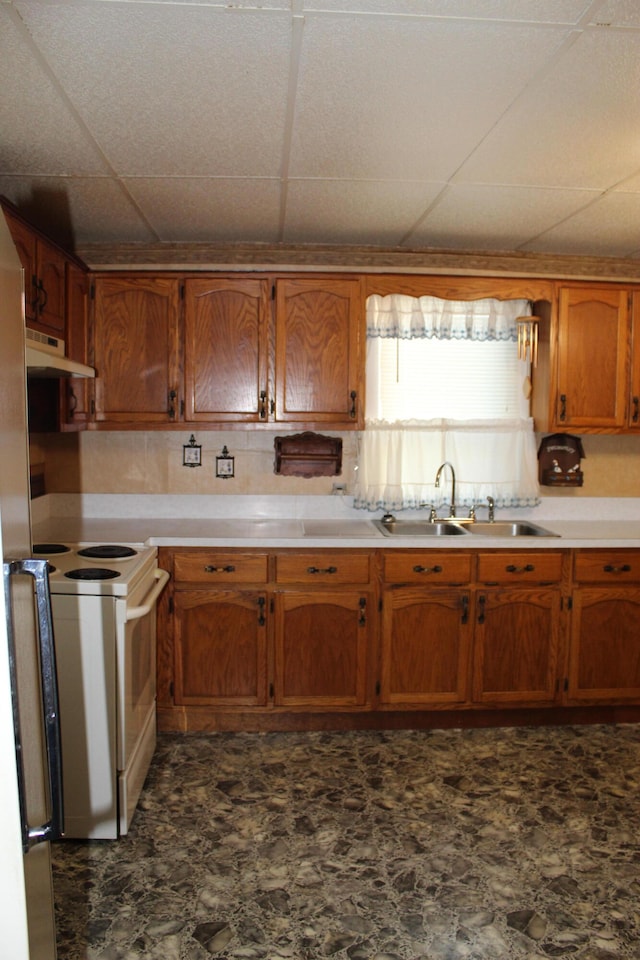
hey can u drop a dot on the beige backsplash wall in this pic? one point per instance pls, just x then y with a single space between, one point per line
151 462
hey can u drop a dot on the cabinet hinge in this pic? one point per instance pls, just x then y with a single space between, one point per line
271 691
273 291
182 291
380 605
171 688
566 684
93 407
377 688
271 605
92 291
567 603
170 604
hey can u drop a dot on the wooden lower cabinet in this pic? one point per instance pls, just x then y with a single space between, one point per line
220 648
604 664
260 639
322 644
604 652
425 646
516 646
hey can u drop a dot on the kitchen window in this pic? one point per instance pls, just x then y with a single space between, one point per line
444 382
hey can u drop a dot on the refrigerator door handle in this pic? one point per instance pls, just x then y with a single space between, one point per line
53 829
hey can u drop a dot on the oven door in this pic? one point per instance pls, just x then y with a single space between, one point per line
136 700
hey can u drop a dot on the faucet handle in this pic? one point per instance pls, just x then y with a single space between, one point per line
432 514
491 503
472 512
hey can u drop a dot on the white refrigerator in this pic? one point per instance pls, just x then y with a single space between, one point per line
30 781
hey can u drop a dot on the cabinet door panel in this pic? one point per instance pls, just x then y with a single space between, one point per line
220 648
321 649
593 335
605 644
317 343
226 349
51 279
516 646
137 350
425 647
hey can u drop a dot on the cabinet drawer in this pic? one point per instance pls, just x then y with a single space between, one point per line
335 567
218 567
511 567
607 566
436 566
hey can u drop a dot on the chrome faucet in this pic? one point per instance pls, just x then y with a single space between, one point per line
491 503
453 484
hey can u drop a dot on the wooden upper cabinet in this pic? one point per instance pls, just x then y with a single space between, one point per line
75 391
633 418
137 350
44 279
318 335
593 353
226 349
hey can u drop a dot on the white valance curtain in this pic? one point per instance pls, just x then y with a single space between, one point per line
404 317
398 461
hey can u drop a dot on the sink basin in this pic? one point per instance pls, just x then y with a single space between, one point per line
509 528
419 528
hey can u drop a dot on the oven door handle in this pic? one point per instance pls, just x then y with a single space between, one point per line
162 579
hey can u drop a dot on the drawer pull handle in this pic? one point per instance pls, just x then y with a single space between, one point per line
528 568
420 569
228 569
322 569
609 568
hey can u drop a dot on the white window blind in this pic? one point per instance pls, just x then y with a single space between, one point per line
453 379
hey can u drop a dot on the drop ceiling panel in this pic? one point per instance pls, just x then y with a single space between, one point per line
561 131
74 210
38 133
495 217
402 98
608 228
223 210
619 13
348 211
173 90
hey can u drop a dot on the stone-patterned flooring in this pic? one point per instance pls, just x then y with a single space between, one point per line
481 844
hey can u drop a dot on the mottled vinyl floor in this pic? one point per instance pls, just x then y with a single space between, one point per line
481 844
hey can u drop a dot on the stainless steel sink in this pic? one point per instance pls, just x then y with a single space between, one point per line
419 528
509 528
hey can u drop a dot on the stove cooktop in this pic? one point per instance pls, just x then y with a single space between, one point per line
96 569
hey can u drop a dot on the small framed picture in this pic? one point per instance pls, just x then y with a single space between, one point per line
192 453
225 465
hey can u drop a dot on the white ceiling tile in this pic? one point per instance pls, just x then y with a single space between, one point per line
495 217
608 228
222 210
75 210
347 211
392 99
577 126
173 90
38 134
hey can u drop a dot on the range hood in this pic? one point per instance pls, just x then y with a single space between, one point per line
45 358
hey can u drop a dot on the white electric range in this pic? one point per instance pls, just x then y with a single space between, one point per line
103 601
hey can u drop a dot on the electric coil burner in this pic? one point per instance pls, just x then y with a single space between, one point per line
49 549
92 573
107 551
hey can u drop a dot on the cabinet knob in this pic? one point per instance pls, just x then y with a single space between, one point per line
610 568
512 568
420 569
322 569
211 569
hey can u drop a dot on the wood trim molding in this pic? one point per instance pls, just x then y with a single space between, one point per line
365 259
